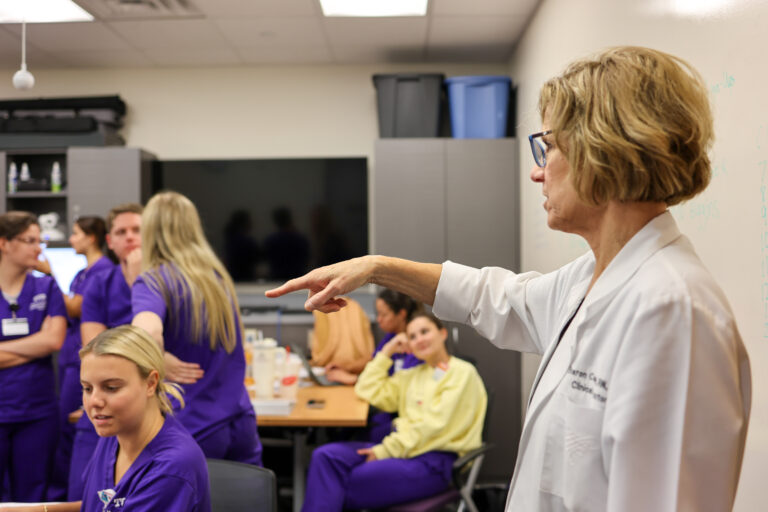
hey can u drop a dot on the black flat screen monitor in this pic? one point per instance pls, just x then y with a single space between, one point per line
272 220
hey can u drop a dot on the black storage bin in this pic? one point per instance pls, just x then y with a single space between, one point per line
408 104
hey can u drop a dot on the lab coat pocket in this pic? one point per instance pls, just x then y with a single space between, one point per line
573 463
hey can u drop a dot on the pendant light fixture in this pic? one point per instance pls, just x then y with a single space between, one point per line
23 79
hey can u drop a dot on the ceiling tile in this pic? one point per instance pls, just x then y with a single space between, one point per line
257 8
182 34
482 7
105 59
10 43
277 31
272 31
199 57
472 30
358 54
381 31
489 53
72 36
275 54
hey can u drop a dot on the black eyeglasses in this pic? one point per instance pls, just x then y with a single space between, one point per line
538 148
31 241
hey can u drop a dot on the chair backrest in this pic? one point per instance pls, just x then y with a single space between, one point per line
238 486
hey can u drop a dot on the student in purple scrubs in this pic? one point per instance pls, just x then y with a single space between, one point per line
106 304
186 300
145 461
33 326
88 238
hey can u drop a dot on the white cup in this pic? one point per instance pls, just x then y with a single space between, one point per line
289 384
263 367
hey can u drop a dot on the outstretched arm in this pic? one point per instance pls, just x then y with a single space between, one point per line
325 284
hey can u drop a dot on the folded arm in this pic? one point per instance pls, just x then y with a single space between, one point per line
48 339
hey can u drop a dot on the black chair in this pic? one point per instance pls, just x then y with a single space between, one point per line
464 477
238 486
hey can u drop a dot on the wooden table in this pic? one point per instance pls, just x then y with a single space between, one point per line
342 409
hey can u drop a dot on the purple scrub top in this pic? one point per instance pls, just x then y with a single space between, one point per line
220 395
169 474
68 356
107 298
28 391
409 360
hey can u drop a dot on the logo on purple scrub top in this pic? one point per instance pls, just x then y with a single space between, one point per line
106 496
39 302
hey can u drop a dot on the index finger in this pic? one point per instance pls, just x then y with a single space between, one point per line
299 283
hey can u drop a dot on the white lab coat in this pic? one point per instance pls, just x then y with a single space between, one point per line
652 411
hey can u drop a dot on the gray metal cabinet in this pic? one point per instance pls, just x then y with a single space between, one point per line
94 180
438 199
100 178
409 198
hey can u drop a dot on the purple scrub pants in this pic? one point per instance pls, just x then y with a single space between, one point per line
26 457
380 426
83 447
70 399
339 478
237 439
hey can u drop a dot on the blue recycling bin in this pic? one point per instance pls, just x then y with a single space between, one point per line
479 106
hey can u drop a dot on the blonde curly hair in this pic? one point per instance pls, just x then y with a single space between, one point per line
634 124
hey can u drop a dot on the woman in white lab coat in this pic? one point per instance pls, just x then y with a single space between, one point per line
642 398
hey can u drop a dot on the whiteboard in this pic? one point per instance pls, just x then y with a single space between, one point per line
727 41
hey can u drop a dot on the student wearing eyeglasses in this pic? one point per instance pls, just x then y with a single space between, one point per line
642 398
33 326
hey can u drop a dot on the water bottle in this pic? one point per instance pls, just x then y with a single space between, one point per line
13 178
24 176
56 177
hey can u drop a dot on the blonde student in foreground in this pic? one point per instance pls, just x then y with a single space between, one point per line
145 460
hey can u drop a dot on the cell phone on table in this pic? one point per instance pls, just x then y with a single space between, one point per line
315 403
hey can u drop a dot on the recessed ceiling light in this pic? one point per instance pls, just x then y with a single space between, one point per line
366 8
41 11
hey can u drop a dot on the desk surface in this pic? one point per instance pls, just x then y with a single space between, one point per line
342 409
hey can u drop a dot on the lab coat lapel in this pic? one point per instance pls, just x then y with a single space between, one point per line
657 234
574 299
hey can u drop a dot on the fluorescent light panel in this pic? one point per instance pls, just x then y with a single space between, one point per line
41 11
371 8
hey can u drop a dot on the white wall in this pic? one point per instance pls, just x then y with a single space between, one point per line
727 223
242 112
239 112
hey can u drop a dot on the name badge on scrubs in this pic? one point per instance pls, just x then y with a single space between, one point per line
440 370
15 327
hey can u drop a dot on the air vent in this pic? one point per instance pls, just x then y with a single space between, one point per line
113 10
